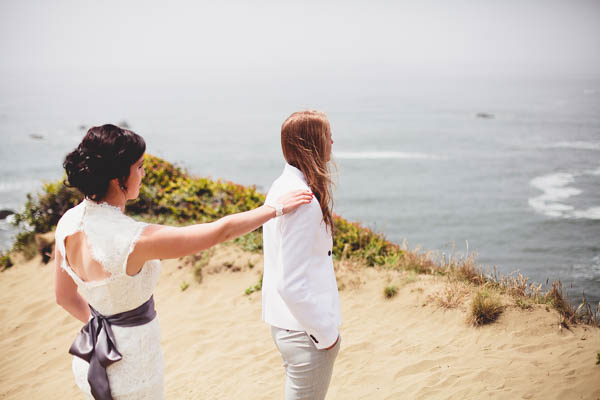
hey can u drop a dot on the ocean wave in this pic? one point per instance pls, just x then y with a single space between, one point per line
589 270
383 155
595 172
555 190
577 145
590 213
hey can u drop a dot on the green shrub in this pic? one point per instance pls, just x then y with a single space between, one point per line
390 291
351 240
255 288
43 212
5 261
169 191
251 241
25 244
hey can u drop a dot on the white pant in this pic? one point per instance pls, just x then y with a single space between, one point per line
307 369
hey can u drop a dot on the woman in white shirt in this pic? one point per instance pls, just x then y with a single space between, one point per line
299 294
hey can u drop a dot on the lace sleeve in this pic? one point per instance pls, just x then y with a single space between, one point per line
64 227
140 226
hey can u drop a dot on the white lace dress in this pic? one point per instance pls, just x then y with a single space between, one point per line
111 236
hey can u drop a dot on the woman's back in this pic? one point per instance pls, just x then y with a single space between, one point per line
94 241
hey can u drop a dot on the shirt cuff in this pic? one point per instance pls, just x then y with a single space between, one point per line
323 340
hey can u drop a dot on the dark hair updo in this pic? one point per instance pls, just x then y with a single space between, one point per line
105 153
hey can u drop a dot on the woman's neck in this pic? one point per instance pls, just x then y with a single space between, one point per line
114 199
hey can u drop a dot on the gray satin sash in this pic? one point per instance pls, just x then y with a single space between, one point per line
96 343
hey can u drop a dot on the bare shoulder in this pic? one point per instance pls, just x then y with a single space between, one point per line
149 233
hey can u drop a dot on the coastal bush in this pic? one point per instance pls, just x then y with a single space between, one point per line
5 261
169 194
41 213
598 358
351 240
485 308
25 244
390 291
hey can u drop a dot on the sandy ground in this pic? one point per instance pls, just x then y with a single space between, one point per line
216 347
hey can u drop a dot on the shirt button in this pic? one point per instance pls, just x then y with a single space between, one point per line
329 253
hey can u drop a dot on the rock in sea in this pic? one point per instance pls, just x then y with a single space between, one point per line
5 213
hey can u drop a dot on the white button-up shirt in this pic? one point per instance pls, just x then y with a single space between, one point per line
299 290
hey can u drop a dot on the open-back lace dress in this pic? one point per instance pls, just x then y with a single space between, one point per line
111 236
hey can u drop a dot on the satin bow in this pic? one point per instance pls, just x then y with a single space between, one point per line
97 345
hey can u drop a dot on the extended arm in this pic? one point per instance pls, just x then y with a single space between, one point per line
160 242
66 292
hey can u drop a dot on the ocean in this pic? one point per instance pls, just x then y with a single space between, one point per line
508 169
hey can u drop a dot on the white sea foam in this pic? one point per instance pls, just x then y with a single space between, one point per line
590 213
383 155
556 190
577 145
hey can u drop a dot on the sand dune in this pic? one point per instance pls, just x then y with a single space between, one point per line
216 347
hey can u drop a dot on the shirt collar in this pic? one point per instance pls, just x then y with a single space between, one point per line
290 169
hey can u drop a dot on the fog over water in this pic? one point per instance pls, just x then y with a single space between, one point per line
453 121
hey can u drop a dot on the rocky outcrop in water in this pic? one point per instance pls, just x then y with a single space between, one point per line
5 213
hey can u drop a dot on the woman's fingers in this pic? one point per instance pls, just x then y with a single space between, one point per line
295 199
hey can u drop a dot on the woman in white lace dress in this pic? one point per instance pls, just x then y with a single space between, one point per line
107 265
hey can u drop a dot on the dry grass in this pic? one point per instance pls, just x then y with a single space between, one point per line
416 261
559 301
485 308
467 270
525 294
586 314
452 296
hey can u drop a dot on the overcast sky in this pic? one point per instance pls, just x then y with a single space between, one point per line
235 40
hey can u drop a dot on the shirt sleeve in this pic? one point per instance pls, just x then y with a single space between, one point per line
299 230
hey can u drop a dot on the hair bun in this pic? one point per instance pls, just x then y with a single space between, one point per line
105 153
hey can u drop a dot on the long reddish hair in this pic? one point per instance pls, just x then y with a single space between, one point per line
305 143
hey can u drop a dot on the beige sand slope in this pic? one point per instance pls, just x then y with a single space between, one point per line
216 347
